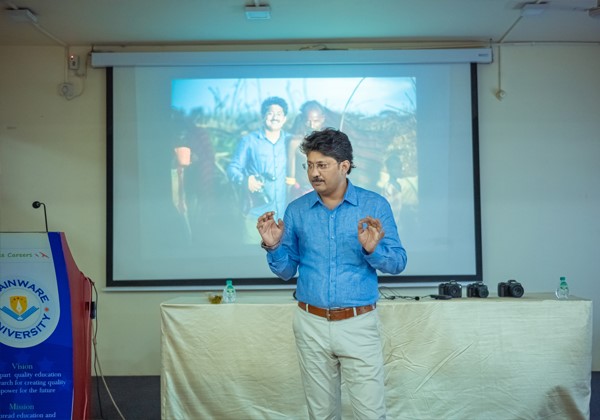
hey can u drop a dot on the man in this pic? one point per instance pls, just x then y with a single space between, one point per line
336 237
194 184
259 166
401 191
311 118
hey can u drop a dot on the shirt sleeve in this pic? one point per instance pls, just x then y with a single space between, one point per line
236 169
389 256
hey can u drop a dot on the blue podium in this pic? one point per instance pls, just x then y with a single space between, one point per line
45 329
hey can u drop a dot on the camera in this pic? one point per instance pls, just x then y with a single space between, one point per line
511 288
451 288
477 289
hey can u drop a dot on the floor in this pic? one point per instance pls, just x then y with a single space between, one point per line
138 398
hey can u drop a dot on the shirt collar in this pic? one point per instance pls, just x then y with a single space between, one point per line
350 196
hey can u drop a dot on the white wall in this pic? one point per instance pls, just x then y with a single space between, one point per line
540 180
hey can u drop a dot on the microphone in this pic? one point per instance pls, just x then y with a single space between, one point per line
36 205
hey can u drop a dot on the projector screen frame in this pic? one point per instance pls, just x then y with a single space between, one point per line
275 283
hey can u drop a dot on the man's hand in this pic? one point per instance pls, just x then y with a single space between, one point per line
370 232
254 184
270 231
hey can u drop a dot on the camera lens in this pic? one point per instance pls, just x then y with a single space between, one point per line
455 290
516 290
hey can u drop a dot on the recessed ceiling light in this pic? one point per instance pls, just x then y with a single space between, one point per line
22 15
533 9
258 12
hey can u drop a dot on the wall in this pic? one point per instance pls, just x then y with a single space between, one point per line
540 180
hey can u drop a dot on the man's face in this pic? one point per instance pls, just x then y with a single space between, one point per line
325 174
274 118
315 120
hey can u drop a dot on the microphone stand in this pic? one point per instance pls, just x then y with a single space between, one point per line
36 205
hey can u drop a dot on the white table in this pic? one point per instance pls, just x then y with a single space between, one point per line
469 358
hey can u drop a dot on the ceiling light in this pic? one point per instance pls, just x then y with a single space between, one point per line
258 12
533 9
594 13
22 15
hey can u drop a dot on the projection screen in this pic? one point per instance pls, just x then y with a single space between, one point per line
175 121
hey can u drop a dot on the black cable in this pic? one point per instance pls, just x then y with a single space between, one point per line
384 295
383 291
95 292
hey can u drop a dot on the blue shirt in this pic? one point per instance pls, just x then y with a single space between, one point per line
322 246
256 155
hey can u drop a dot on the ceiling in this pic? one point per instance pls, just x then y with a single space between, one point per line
312 23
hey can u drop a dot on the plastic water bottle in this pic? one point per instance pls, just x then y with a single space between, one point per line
229 292
562 291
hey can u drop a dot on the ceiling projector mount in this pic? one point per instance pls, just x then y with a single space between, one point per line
258 11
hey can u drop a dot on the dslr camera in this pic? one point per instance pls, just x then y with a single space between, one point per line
477 289
511 288
452 289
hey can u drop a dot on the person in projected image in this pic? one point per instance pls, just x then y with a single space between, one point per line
311 118
336 237
259 167
401 191
194 185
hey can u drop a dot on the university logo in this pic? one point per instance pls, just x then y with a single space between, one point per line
18 308
28 313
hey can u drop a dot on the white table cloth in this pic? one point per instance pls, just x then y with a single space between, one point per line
469 358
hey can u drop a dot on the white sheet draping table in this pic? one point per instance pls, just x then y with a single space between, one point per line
469 358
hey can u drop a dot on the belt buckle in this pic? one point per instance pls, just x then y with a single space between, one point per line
330 310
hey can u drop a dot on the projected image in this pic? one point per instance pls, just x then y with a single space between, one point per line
235 147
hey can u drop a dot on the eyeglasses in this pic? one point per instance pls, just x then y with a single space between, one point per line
321 166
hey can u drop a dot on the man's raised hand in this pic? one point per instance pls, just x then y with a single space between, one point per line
270 230
370 232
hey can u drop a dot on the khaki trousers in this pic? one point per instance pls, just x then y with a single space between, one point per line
330 352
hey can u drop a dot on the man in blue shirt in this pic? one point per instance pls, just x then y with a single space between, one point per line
335 238
259 166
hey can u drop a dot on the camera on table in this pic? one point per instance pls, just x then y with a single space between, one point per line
477 289
452 289
511 288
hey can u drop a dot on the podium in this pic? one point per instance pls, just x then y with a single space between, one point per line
45 329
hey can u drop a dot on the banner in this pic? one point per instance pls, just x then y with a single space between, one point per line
36 340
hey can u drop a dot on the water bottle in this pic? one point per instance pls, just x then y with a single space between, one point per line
228 292
562 291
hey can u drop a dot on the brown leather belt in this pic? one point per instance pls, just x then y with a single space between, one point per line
336 314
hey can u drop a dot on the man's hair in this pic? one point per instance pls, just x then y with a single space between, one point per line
273 100
330 142
311 106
